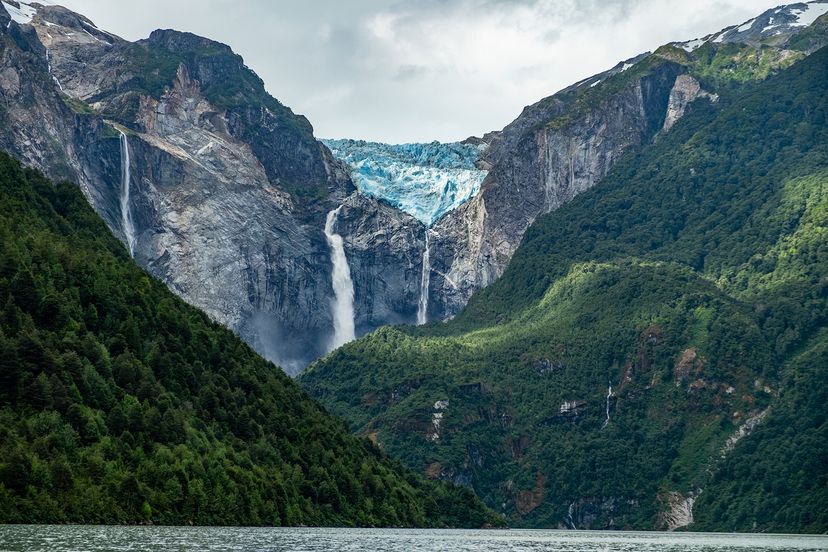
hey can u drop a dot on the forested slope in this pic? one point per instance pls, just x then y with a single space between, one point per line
655 347
120 403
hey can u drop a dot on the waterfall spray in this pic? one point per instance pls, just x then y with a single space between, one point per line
343 286
425 281
127 226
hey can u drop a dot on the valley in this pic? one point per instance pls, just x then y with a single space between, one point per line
609 314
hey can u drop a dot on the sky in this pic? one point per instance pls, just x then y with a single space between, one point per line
422 70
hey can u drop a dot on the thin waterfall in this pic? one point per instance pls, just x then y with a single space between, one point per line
343 286
425 281
609 396
49 67
126 215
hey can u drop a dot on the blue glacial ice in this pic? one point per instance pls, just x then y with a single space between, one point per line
424 180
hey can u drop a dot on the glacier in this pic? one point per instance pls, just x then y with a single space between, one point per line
424 180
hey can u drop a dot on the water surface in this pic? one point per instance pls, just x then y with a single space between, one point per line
51 538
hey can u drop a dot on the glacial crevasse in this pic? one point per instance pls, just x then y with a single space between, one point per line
424 180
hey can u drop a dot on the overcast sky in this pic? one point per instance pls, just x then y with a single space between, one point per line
422 70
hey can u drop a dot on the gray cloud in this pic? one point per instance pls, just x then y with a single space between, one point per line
432 69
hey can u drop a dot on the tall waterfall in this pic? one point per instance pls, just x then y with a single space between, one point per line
343 286
425 281
126 215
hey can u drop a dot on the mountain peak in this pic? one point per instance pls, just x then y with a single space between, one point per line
773 26
183 42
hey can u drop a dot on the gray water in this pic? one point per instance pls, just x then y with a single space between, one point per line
51 538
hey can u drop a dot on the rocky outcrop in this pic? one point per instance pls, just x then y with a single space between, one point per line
679 511
685 91
555 150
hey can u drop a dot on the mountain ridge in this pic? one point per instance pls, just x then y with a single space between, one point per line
230 190
612 377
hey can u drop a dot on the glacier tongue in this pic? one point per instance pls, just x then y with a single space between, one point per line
424 180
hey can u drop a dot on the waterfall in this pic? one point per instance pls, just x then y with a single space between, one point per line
343 286
126 215
609 396
49 67
425 280
569 519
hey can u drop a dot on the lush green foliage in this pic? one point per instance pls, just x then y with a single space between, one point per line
120 403
778 476
694 280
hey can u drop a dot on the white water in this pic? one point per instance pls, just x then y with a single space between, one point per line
343 286
569 516
425 281
126 215
609 396
49 67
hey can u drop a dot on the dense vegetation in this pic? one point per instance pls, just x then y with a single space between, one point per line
120 403
694 281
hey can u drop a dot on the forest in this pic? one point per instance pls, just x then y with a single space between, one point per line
119 403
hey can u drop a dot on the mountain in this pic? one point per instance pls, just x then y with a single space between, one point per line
217 188
564 144
122 404
224 193
653 356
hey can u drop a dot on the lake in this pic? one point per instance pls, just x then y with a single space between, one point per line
74 538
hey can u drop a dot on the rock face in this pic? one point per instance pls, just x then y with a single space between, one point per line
679 511
555 150
685 91
229 189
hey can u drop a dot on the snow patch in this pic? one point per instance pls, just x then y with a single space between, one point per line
22 15
691 45
811 13
205 149
424 180
626 66
596 83
745 26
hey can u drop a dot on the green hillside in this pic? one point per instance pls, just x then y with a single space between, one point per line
693 279
121 404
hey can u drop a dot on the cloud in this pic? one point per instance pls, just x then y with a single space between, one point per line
433 69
